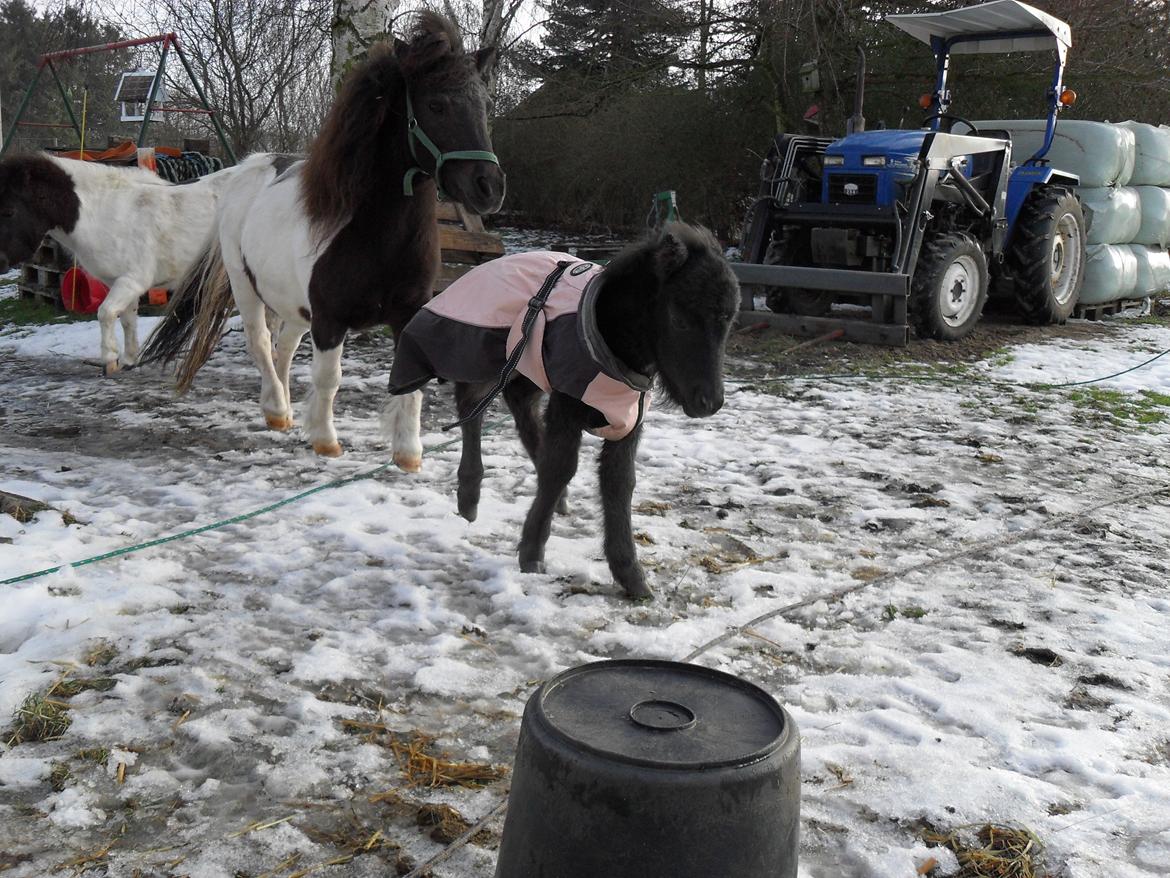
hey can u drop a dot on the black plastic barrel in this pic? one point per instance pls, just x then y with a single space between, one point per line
648 769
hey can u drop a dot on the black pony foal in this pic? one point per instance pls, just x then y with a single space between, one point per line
663 308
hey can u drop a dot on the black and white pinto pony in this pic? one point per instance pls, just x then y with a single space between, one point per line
337 242
663 310
128 227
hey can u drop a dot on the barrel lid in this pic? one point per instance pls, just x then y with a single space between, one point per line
663 714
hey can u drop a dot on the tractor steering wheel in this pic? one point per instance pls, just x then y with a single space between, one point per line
953 117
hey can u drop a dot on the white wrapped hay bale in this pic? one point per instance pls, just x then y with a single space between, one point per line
1152 156
1110 274
1153 270
1099 153
1113 213
1155 227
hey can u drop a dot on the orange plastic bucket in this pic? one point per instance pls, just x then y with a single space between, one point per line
81 292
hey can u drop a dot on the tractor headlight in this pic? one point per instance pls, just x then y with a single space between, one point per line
834 161
874 161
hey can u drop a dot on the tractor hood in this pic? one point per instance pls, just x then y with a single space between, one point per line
897 146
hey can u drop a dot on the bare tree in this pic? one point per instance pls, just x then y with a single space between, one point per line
357 24
263 63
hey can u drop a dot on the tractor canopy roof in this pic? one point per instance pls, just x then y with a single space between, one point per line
999 26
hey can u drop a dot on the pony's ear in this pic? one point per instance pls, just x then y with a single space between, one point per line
485 60
401 47
670 254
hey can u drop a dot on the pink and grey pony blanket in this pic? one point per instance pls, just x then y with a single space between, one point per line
469 333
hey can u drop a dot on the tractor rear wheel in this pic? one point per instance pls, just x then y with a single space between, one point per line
1045 264
949 288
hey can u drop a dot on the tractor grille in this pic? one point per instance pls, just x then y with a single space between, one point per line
853 188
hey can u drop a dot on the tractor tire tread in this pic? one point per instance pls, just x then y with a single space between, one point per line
1027 266
936 255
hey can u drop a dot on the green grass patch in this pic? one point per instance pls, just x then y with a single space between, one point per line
1122 409
44 716
60 776
890 612
102 652
98 755
39 718
999 357
34 312
1027 404
71 686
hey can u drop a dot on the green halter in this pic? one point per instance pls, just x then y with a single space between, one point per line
415 133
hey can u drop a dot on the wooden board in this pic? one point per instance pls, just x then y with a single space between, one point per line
448 274
454 238
855 330
1104 309
40 276
464 243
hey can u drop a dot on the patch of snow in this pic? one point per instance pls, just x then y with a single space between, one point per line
1064 360
239 654
72 809
22 771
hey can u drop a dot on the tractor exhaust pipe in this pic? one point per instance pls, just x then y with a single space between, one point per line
856 122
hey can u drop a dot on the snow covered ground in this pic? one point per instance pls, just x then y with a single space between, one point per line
1028 684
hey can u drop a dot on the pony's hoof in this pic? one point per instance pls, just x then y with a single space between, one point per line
532 567
111 368
639 594
408 463
633 580
284 422
327 449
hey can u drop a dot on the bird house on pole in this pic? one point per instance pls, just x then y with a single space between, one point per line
134 93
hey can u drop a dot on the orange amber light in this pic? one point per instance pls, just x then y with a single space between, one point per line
925 101
1068 97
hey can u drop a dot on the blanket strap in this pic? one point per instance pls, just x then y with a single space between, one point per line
535 306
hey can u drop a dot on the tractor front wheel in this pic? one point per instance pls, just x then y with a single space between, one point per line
1045 264
949 288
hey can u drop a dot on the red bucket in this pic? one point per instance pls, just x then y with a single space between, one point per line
81 291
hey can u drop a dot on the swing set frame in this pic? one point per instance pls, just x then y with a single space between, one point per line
169 41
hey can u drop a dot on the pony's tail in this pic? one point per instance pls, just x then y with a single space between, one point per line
194 322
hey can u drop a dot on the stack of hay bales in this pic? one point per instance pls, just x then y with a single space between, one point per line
1125 191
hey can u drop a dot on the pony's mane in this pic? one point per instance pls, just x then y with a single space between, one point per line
348 156
686 240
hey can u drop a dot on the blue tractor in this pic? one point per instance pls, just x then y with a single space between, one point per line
916 225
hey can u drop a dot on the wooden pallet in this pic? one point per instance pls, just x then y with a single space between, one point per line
1105 309
464 243
865 331
40 277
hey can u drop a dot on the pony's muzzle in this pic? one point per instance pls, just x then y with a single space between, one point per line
479 186
490 186
703 401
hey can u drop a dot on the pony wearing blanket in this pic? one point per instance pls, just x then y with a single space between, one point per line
347 238
596 340
128 227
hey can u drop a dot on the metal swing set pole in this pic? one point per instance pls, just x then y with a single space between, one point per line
168 40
